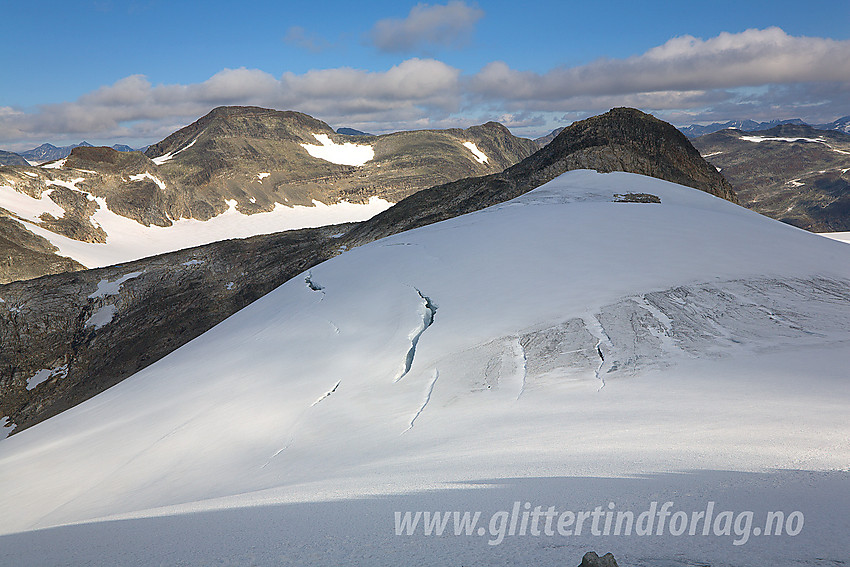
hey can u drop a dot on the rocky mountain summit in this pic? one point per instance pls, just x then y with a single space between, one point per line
236 160
793 173
223 154
623 139
69 336
11 158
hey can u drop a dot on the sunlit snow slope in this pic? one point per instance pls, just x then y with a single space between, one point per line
558 336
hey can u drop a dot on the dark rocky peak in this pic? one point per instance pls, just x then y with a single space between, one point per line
626 139
106 159
623 139
591 559
491 127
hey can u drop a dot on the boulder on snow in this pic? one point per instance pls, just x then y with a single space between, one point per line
590 559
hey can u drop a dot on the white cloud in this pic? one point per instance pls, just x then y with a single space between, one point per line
448 25
415 90
683 64
759 74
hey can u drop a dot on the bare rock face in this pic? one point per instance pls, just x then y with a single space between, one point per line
11 158
27 255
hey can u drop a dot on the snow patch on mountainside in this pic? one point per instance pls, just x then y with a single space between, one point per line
106 288
166 157
823 141
68 184
347 153
46 374
128 240
102 317
758 139
480 157
58 164
29 208
839 236
147 175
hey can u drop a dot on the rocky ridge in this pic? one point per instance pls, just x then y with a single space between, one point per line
623 139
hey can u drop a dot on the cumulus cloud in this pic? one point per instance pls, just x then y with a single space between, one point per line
759 74
414 91
683 64
448 25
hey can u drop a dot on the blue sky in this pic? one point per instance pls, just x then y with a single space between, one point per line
133 71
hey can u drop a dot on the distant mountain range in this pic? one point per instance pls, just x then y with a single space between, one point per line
543 140
792 172
697 130
49 152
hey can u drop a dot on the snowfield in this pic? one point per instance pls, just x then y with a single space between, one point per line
29 208
480 156
759 139
129 240
347 153
560 349
840 236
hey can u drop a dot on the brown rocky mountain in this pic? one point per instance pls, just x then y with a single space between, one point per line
252 159
792 173
219 156
69 336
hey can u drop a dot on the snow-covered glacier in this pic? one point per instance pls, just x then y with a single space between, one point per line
562 349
